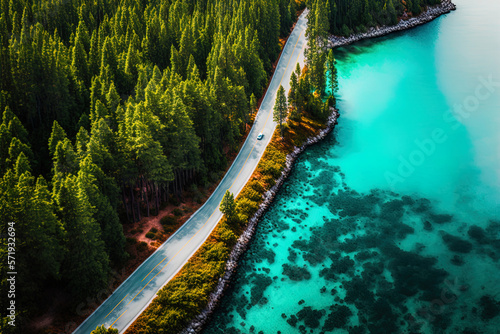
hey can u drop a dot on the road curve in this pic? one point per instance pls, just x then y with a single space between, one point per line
139 289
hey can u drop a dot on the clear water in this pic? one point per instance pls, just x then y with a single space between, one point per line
392 224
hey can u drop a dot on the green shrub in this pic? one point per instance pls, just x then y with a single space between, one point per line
142 246
269 180
168 220
174 200
246 207
153 229
256 186
250 194
228 237
150 235
131 241
177 212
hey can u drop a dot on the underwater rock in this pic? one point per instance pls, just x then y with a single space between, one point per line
314 258
292 320
381 318
263 301
310 316
338 318
260 284
421 205
372 270
265 254
296 273
370 240
365 255
357 330
413 273
292 257
392 211
398 229
456 244
407 200
457 260
350 203
340 265
358 292
440 218
478 234
490 308
427 226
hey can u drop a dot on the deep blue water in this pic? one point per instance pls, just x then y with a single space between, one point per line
392 224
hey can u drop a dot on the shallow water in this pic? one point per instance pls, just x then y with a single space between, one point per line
392 224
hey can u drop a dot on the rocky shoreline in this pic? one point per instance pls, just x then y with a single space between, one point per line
243 242
430 14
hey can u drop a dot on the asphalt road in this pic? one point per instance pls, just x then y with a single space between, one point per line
135 294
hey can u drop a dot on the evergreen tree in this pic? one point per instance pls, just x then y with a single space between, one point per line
331 73
228 206
393 19
253 104
93 181
86 264
14 126
280 109
5 140
58 135
293 97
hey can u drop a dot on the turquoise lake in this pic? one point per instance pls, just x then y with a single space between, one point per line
392 224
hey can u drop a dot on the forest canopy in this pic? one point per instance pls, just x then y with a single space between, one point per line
108 108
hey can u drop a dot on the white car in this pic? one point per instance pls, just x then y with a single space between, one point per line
260 136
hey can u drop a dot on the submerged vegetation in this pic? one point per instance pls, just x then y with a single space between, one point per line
328 258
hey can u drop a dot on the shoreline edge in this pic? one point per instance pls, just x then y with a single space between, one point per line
445 7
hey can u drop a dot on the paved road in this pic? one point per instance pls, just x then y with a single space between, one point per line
135 294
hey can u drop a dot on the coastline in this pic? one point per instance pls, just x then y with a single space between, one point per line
430 14
198 323
245 238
